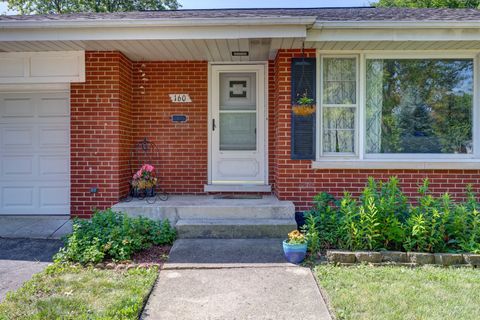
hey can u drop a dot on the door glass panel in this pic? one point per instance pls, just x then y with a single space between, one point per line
238 111
237 131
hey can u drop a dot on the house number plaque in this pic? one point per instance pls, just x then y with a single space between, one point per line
180 97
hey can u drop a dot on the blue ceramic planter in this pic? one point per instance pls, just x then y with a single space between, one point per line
294 253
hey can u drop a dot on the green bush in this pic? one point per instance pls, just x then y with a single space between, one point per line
382 219
113 235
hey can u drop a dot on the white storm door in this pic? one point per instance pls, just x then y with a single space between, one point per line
238 125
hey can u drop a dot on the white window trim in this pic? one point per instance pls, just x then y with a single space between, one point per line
320 153
362 160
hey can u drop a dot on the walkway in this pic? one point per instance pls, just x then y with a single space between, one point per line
35 227
20 259
233 279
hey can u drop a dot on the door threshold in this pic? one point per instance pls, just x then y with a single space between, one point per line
237 188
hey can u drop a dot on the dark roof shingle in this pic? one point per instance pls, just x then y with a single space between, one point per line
322 14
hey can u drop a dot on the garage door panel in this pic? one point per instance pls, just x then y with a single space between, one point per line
50 136
34 153
17 165
54 196
53 107
19 197
18 137
17 108
58 166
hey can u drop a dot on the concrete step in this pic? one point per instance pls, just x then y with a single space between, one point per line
180 207
234 228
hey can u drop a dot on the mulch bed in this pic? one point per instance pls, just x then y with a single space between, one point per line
155 256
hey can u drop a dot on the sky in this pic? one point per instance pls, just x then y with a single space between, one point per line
209 4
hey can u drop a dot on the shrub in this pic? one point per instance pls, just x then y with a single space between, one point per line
382 219
321 223
113 235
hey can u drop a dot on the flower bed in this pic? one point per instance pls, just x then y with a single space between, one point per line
382 219
402 258
110 235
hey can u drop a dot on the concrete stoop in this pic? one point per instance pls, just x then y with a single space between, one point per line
207 217
234 228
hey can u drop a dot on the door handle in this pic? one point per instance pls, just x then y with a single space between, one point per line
213 125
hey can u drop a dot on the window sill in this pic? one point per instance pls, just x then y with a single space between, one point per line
397 164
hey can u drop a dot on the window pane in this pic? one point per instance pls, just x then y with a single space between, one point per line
419 106
339 81
238 131
338 129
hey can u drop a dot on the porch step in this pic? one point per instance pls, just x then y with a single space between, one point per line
179 207
206 217
234 228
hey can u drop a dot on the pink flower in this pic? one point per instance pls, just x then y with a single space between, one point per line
148 167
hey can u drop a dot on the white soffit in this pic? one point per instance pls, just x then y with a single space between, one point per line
260 49
148 29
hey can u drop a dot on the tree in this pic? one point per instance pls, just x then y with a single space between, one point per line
69 6
428 3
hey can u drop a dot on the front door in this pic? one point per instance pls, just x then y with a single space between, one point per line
238 125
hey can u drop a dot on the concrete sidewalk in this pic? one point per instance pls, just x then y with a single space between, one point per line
35 227
233 279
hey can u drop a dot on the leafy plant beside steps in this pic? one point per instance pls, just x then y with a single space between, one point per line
113 235
382 219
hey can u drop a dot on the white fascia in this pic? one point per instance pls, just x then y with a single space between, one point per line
394 31
156 29
434 24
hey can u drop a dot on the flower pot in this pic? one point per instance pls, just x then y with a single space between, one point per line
141 193
150 192
303 110
294 253
135 192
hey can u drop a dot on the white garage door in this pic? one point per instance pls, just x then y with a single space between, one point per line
34 153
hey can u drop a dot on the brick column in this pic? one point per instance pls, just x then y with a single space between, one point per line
100 132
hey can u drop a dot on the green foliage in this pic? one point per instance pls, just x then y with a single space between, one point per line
69 6
113 235
382 219
325 218
428 3
311 233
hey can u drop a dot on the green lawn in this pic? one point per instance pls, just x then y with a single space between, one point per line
385 293
74 292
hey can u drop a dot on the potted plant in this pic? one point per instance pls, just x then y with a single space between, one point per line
304 105
144 182
295 247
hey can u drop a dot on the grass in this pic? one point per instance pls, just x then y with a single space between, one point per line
75 292
388 293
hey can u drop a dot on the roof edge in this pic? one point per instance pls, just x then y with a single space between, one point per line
412 24
167 22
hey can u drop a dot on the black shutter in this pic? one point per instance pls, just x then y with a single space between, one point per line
303 127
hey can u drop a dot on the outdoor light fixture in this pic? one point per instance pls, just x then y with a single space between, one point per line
240 53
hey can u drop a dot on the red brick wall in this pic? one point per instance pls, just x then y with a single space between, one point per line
296 181
182 157
99 131
110 112
125 123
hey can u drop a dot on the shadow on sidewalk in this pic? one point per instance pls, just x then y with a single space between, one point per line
28 249
231 251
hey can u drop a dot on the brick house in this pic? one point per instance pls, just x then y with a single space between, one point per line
395 93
